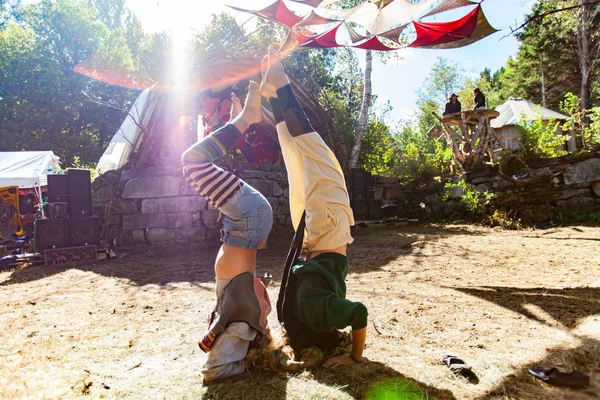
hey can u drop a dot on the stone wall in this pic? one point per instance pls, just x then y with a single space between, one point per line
559 189
158 205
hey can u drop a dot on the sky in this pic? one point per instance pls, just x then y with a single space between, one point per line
396 82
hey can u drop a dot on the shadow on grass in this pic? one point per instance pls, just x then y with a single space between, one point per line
585 357
566 306
368 380
163 264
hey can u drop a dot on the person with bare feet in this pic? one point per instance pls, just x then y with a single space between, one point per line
240 315
317 187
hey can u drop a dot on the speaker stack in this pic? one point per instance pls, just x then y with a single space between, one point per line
70 222
362 200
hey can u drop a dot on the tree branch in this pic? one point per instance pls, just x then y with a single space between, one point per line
538 16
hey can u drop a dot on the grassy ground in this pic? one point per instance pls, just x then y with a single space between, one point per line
503 301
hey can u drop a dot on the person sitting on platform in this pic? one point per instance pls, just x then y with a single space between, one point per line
452 105
479 100
317 187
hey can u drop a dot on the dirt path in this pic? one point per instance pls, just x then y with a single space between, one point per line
501 300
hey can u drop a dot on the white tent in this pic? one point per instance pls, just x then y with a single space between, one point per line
119 148
515 110
27 169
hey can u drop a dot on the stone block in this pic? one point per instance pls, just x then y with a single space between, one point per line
596 189
265 186
173 204
163 235
252 175
571 193
150 187
144 221
150 172
213 235
187 189
122 206
587 171
481 188
279 176
211 219
541 175
179 220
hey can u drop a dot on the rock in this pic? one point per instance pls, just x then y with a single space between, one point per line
480 180
482 188
541 175
211 219
179 220
173 204
279 176
150 187
596 189
252 175
150 172
121 206
144 221
187 189
265 186
571 193
161 235
583 172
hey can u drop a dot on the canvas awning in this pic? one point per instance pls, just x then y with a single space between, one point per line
27 169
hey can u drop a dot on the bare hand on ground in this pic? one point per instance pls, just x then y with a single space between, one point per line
339 361
273 75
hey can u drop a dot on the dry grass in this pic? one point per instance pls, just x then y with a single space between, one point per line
502 301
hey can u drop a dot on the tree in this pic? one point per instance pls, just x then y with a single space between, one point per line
446 77
45 104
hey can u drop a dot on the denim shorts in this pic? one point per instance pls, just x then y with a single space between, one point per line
248 219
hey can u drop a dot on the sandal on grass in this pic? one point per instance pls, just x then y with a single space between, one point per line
460 368
575 379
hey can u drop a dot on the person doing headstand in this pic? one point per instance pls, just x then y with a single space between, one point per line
317 186
242 301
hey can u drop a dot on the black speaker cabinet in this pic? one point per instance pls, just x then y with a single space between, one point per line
58 191
51 233
58 210
79 186
84 231
27 204
375 209
360 207
359 184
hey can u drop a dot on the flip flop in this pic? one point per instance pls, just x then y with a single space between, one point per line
460 368
455 364
574 379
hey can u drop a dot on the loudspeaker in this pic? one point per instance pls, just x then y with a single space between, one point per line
375 209
359 184
27 204
51 233
84 231
58 210
79 186
58 191
360 207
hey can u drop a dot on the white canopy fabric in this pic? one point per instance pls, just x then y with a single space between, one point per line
119 148
515 110
27 169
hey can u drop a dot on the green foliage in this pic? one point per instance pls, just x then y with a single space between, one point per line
471 198
548 44
505 220
540 138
